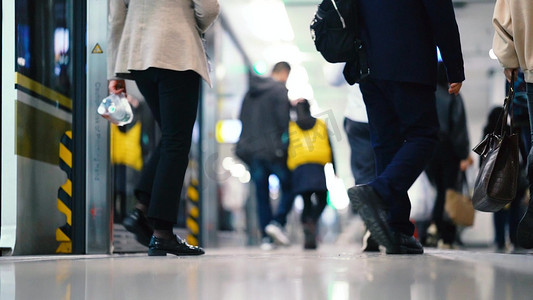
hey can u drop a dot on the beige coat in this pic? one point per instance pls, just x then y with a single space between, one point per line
513 39
164 34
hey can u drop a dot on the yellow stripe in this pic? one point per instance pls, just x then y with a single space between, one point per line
194 212
192 193
68 292
65 155
64 209
61 236
67 187
65 247
192 240
38 133
193 226
40 89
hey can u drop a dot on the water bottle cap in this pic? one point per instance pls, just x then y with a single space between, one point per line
101 110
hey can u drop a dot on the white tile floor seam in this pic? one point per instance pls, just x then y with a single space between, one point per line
338 273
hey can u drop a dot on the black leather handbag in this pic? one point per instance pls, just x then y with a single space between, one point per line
497 180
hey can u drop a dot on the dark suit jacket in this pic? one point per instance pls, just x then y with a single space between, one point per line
400 37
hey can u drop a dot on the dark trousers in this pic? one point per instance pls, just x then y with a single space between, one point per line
508 218
529 87
443 171
260 171
173 99
404 131
362 159
313 209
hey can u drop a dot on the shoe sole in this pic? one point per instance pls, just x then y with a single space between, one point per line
278 236
375 220
369 245
157 252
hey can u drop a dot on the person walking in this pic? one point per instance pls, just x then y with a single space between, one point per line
159 45
512 41
362 160
263 147
399 95
451 156
309 150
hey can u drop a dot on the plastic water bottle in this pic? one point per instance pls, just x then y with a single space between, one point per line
116 109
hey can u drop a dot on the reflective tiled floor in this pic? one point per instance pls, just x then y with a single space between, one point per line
338 273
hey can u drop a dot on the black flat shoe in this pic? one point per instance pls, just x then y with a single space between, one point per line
369 205
405 244
175 245
138 224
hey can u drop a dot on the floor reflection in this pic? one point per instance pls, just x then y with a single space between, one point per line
330 273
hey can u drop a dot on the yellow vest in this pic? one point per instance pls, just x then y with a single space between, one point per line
126 146
308 146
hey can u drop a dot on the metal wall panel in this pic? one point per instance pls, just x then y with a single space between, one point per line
98 187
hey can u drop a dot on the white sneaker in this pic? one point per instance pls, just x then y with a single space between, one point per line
276 232
267 244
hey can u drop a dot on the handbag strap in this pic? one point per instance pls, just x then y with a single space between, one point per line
507 110
462 183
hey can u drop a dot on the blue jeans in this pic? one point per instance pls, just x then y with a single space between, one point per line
529 87
362 159
404 130
260 171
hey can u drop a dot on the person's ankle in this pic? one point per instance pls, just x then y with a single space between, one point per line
163 234
141 207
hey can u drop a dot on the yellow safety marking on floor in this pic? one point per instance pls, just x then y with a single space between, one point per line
68 292
42 90
64 195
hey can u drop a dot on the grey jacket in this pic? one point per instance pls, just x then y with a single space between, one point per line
265 119
158 33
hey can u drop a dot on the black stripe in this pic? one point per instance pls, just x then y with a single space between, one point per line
63 166
65 140
65 198
67 230
42 98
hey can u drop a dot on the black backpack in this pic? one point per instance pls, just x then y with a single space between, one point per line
334 30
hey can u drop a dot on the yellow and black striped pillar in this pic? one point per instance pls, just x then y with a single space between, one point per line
64 194
193 216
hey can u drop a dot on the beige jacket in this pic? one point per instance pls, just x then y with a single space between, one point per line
513 39
164 34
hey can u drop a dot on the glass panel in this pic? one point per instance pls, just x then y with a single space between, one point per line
43 125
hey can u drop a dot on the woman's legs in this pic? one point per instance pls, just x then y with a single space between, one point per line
173 99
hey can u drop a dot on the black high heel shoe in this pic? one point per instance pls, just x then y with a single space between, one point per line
174 245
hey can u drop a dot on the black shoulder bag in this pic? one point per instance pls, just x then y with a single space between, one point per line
497 180
334 30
